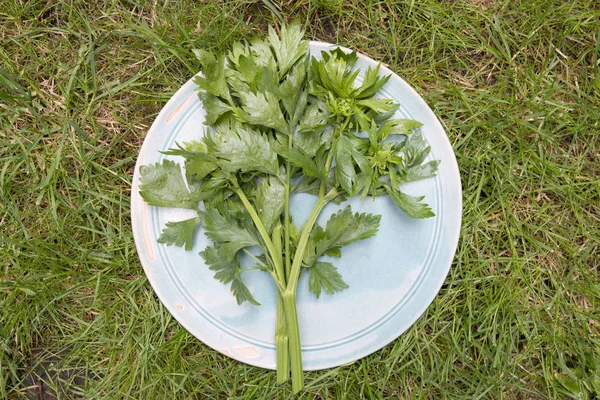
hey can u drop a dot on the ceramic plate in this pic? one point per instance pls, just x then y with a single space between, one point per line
393 277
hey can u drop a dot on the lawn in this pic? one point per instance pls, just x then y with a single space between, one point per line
516 85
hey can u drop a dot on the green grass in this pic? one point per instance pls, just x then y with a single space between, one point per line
517 87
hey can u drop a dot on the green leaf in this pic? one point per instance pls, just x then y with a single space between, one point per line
360 160
316 117
415 150
301 103
344 165
324 275
261 109
242 149
300 160
386 115
314 130
308 142
288 48
371 84
292 96
334 252
188 149
228 270
308 185
263 55
249 71
345 228
398 127
214 107
217 184
363 121
213 69
342 229
232 234
198 162
162 185
180 233
238 85
241 292
194 146
418 172
315 87
197 168
270 201
317 245
350 58
411 205
252 76
345 157
238 49
335 76
337 224
378 105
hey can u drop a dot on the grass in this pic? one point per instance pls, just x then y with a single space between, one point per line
517 86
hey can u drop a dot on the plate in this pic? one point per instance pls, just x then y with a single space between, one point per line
392 277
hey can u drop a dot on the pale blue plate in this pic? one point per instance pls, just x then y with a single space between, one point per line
393 277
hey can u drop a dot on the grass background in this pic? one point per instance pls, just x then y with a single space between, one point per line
516 85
